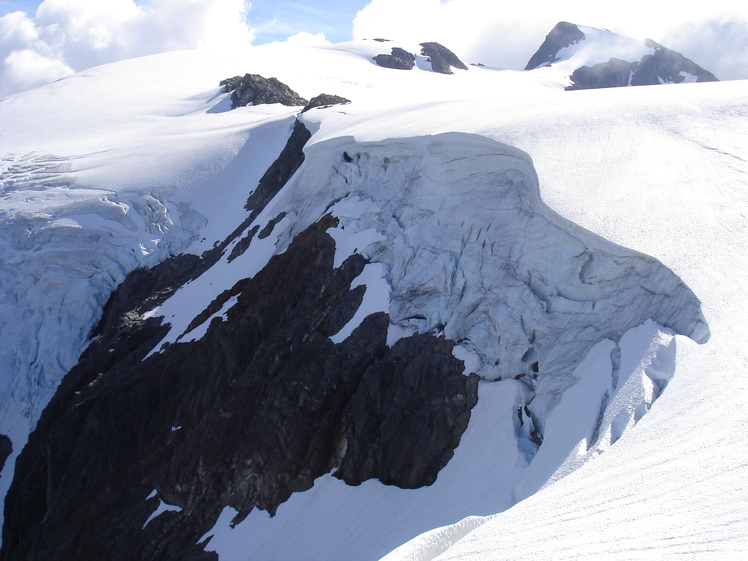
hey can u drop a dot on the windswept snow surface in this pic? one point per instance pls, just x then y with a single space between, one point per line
140 159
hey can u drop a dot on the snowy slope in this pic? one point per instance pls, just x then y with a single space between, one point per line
134 173
674 485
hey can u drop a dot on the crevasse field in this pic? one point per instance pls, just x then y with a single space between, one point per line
587 195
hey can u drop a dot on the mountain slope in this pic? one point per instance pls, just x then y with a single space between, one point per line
426 212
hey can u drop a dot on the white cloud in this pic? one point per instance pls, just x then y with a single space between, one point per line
70 35
28 69
719 45
305 39
506 34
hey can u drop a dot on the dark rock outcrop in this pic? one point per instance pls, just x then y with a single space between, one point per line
280 171
243 244
257 409
615 73
400 59
325 100
664 66
255 89
441 58
273 180
270 226
6 449
414 402
561 36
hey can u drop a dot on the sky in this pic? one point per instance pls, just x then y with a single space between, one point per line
43 41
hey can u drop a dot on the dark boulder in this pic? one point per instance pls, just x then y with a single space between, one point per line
325 100
400 59
561 36
257 90
441 58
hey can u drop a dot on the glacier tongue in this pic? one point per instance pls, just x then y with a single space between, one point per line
470 251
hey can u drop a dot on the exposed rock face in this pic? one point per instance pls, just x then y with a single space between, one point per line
253 411
400 59
667 66
615 73
663 67
270 183
441 58
281 171
325 100
561 36
414 402
6 449
257 90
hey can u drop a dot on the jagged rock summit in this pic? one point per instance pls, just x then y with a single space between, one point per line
257 90
441 58
561 36
399 59
325 100
597 58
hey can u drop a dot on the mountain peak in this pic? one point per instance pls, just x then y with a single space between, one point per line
561 36
597 58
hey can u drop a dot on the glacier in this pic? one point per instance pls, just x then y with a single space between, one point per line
522 262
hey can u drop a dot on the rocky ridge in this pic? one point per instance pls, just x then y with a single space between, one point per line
561 36
659 65
663 67
441 58
399 59
256 90
324 101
